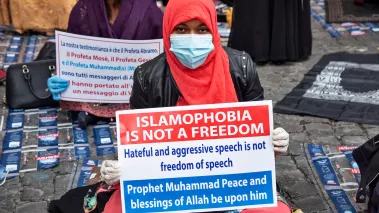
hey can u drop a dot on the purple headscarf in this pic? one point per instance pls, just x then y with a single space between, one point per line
136 20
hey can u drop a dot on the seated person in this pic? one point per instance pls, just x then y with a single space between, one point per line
195 69
127 19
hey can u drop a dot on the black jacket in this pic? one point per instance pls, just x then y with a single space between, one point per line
367 158
154 85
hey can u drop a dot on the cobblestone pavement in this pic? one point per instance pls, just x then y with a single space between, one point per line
32 192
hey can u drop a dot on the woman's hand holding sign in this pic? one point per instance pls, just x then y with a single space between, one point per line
280 140
110 172
56 86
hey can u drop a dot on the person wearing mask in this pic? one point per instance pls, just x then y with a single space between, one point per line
195 69
118 19
272 30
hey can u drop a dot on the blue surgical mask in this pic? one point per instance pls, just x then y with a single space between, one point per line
191 49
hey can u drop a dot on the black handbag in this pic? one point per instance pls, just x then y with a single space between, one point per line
26 85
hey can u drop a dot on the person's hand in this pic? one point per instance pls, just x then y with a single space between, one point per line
280 139
110 171
57 86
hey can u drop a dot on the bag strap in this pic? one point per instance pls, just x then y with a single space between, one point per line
27 77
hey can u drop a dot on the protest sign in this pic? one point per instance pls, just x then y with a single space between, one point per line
197 158
100 70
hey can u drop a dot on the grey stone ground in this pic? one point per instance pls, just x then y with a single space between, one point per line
31 192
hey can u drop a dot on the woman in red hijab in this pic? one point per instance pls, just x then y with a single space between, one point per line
195 69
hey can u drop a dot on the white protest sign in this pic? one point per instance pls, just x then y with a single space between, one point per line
100 70
197 158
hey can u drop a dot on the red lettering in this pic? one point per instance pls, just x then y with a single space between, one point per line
118 59
346 148
49 135
80 56
143 60
51 117
197 124
48 157
100 58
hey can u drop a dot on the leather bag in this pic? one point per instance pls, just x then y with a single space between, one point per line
26 85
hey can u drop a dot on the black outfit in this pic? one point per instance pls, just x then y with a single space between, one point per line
72 201
154 85
367 158
272 30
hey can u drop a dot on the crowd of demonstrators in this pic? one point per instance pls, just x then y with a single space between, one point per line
277 30
194 63
129 20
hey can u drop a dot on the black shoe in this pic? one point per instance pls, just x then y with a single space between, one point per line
278 62
262 63
85 119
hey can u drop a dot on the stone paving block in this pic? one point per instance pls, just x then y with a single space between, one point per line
38 178
279 119
285 88
292 128
285 163
7 206
269 84
9 194
343 123
310 119
299 138
311 204
295 149
38 186
274 96
11 189
38 207
372 132
297 188
12 183
325 140
289 177
297 74
64 168
303 166
317 129
354 140
312 60
369 126
61 185
36 194
348 129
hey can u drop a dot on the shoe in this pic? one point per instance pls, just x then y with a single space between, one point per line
262 63
85 119
278 62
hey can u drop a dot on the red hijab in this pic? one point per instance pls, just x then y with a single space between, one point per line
210 83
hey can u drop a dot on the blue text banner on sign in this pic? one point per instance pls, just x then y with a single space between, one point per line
197 158
190 193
